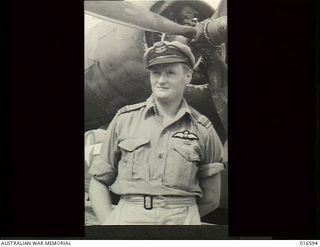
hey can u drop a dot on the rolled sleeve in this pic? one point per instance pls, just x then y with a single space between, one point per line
102 171
212 156
211 169
104 166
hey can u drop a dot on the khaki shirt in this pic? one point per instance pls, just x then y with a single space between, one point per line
140 156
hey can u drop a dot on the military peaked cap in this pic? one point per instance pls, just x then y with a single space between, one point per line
168 52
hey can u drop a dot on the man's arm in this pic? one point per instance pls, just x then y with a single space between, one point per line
211 188
100 199
103 169
209 173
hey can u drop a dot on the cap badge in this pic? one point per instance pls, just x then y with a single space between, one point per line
160 48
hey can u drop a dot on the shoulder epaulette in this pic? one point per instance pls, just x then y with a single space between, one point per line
201 119
129 108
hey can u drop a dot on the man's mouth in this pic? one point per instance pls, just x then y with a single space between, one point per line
162 88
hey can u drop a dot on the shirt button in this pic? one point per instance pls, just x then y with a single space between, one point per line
160 156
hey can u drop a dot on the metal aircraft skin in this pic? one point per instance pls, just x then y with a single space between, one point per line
115 75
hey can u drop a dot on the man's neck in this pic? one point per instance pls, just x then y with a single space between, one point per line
167 110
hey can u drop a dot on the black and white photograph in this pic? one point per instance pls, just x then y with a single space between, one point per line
160 120
156 107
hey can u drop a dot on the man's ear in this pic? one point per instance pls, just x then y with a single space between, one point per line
188 76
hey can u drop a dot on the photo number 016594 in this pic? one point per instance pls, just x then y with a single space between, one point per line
156 136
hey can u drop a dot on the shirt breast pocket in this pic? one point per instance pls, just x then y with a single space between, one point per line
182 167
132 164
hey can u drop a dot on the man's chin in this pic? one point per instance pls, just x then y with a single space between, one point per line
161 95
162 98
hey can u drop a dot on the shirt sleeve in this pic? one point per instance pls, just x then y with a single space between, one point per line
105 166
212 155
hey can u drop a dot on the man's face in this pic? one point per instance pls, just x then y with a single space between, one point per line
187 13
168 81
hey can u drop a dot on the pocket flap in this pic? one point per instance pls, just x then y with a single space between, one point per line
130 144
188 153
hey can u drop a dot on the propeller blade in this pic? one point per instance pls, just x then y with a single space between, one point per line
129 14
217 68
217 29
221 9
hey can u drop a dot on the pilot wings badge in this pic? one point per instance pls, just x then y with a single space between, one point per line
186 135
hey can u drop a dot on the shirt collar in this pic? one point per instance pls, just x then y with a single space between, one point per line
151 106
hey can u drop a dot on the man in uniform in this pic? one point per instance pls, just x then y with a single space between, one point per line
161 156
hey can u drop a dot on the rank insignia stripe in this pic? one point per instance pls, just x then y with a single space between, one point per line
186 135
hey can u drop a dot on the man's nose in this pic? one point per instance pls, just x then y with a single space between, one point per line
162 78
